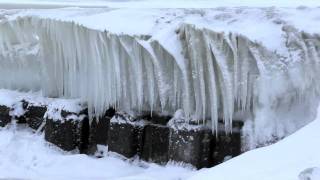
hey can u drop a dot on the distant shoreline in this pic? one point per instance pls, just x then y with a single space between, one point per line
45 6
141 4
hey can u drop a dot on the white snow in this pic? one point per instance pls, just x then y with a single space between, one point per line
284 160
310 174
13 100
25 155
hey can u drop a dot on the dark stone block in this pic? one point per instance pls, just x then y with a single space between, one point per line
99 131
156 119
227 146
64 134
192 146
34 116
125 136
5 117
110 113
156 143
68 134
84 136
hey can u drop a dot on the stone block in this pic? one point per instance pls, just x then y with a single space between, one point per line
155 118
69 133
34 116
5 117
99 131
156 143
125 135
192 146
227 146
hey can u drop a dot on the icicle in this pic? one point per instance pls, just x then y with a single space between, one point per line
211 76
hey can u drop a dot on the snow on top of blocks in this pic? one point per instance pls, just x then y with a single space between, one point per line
13 99
125 118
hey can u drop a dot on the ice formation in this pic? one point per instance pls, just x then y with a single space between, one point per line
213 76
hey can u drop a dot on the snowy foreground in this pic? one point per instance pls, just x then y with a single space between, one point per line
26 155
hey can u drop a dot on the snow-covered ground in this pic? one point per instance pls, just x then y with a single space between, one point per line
26 155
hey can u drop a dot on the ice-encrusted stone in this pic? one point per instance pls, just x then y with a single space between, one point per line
70 132
156 138
191 146
196 145
34 115
125 135
227 146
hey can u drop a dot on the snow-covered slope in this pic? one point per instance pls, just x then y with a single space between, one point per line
284 160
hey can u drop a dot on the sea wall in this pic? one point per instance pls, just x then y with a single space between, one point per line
210 75
158 139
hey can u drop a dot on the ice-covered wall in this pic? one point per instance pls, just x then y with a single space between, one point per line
19 65
212 76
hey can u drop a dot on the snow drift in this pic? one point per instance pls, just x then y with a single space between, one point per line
293 158
210 75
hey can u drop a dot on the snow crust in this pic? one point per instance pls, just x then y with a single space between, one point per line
212 63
